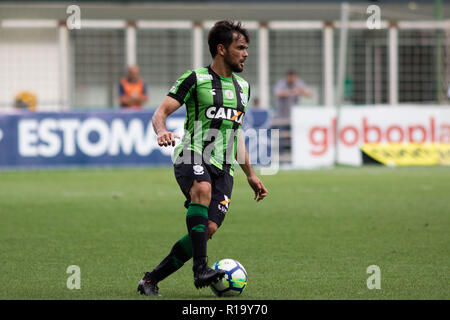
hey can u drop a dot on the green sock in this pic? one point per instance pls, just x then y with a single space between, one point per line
180 253
197 225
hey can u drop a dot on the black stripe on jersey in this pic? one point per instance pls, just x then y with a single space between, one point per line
196 112
180 95
217 102
233 135
184 87
194 96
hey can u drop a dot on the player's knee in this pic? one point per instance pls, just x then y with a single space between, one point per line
212 228
201 193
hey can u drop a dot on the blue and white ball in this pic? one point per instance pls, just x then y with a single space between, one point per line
235 280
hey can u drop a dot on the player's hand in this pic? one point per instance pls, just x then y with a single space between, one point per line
167 138
257 186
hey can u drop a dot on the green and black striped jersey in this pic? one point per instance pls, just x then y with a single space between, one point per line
215 109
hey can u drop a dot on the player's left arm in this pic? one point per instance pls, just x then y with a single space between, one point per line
244 162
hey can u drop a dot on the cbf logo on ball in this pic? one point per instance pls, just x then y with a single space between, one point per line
225 113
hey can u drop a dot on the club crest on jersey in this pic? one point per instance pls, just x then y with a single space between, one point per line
229 94
225 113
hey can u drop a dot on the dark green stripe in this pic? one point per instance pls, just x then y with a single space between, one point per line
186 244
177 263
197 209
199 228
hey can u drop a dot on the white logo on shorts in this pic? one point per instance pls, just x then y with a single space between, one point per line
223 205
198 169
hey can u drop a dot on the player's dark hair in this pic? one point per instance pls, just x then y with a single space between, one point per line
222 33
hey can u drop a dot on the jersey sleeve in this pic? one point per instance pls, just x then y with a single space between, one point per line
183 87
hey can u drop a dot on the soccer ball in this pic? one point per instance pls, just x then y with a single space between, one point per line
235 280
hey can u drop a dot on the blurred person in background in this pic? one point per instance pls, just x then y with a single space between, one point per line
25 100
288 92
132 90
256 103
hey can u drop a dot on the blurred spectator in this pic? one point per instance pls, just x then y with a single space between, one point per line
132 90
25 100
256 104
288 92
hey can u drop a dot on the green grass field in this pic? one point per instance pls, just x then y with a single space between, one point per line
313 237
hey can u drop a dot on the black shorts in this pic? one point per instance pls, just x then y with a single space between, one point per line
221 186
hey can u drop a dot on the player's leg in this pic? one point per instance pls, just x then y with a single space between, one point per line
198 226
197 220
187 176
222 186
212 228
180 253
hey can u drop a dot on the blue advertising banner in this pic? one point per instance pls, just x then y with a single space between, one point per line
109 138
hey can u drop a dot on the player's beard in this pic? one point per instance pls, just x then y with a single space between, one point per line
235 67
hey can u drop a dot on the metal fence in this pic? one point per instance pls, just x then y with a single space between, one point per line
403 62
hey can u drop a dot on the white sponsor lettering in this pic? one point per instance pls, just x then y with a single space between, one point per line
51 142
203 77
28 138
225 113
93 137
221 114
99 147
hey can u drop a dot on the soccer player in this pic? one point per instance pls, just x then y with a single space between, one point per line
216 100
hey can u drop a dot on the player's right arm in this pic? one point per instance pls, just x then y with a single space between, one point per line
177 96
167 107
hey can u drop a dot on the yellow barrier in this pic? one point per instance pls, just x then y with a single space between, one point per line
409 154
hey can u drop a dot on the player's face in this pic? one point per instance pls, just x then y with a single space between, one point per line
237 53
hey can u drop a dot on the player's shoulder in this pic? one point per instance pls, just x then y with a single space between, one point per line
242 82
202 74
